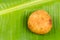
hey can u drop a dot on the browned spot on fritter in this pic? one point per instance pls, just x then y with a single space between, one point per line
50 22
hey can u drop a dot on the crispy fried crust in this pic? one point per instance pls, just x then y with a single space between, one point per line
40 22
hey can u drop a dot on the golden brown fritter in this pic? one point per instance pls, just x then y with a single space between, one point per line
40 22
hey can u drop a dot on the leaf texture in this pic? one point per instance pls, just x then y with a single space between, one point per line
13 22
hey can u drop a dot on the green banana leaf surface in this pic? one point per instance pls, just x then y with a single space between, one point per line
14 15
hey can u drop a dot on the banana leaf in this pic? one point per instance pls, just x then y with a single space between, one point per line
14 15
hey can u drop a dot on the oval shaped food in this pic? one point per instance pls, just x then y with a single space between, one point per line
40 22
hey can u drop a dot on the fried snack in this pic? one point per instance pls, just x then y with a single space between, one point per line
40 22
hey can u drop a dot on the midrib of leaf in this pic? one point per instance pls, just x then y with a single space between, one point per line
22 6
